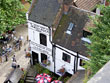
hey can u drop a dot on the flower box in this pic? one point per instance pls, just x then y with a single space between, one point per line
46 63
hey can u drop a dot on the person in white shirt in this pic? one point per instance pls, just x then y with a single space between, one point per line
14 64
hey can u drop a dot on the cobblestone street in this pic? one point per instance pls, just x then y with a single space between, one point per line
5 67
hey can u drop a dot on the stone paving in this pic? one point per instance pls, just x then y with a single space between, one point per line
5 67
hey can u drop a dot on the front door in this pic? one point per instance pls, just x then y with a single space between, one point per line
35 58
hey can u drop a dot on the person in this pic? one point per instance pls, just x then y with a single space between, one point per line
12 36
6 57
14 64
7 81
10 48
15 39
14 58
20 40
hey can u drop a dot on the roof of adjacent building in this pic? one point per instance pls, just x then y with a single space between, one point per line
87 4
102 76
67 2
72 41
44 11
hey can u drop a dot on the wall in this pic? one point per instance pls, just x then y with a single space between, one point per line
69 66
61 63
34 31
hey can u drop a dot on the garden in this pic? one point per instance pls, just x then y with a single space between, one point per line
41 70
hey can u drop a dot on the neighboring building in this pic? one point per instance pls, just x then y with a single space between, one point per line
56 39
89 5
102 76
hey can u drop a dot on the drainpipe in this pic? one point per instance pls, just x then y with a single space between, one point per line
74 65
54 58
53 47
77 61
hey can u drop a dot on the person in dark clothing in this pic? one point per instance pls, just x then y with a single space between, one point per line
6 57
14 58
8 81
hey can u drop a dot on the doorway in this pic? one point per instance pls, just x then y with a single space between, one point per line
35 58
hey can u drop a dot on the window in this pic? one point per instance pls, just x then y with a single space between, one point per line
81 62
66 58
43 57
85 33
43 39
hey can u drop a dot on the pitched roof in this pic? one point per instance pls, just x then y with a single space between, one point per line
87 4
67 2
44 11
72 41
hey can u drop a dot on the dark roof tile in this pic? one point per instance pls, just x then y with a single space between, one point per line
44 11
72 42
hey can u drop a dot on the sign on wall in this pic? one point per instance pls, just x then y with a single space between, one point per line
41 48
39 28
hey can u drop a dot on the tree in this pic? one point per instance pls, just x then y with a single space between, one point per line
10 14
100 46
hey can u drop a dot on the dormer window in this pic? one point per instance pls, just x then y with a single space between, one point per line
84 38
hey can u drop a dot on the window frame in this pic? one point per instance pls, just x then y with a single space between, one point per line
42 58
43 39
66 57
81 62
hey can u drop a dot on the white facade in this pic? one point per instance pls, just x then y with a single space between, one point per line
54 52
73 65
34 31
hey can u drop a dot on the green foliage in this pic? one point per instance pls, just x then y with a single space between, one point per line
60 78
10 14
39 68
66 79
29 1
46 71
100 46
21 81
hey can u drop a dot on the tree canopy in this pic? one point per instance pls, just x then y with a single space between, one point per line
100 46
10 14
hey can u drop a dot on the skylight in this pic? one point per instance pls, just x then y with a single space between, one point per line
70 27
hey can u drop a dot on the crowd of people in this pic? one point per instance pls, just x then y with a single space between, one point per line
9 43
7 49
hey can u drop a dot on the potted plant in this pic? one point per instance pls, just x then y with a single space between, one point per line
46 62
61 71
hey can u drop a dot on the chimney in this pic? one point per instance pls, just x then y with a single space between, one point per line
107 3
60 1
66 8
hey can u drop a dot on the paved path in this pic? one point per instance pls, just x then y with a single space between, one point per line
5 67
77 78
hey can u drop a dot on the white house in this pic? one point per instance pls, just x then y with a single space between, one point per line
55 38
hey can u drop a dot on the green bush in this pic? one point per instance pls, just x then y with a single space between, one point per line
21 81
39 68
46 71
60 78
66 79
